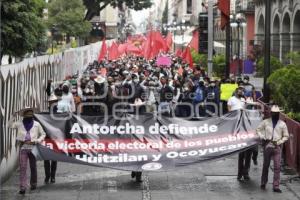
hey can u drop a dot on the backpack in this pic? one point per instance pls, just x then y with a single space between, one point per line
199 96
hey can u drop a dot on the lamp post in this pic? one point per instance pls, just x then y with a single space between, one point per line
127 29
54 31
238 22
177 27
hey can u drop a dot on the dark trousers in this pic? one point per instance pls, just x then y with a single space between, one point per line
244 163
25 155
275 155
50 168
255 152
137 175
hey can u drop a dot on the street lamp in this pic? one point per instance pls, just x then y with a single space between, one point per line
127 29
238 22
54 32
182 26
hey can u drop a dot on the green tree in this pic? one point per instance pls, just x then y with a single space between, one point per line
22 27
294 57
67 17
275 64
198 58
285 87
94 7
219 64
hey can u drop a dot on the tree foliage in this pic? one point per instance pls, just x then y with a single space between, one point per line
94 7
294 57
22 26
219 64
67 17
274 65
285 87
198 58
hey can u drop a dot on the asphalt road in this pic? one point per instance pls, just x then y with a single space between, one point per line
212 181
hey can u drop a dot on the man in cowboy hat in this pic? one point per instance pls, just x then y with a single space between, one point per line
29 133
274 133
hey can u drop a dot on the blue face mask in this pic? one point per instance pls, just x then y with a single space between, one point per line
27 119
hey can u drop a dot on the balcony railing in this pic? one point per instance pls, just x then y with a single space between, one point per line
245 6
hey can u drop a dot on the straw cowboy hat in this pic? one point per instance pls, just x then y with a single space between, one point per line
53 97
27 111
275 108
99 79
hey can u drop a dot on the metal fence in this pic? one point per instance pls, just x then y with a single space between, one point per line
23 84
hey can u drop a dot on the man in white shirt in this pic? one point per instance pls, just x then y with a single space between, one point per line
237 102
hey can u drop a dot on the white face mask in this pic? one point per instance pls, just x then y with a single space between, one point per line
212 84
246 81
136 80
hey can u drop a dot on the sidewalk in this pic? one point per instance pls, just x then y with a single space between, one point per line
212 180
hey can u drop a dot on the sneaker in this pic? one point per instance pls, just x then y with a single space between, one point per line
239 178
277 190
22 192
263 187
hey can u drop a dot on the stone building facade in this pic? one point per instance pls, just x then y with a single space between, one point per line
285 26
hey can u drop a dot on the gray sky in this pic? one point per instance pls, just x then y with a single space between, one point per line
140 16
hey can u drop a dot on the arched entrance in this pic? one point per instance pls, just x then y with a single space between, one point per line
285 37
275 48
260 30
296 32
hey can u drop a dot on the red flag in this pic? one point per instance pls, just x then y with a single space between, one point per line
178 53
224 7
133 49
158 42
187 56
103 51
194 43
122 48
148 46
169 41
113 52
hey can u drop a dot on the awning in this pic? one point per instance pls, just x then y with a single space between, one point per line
179 40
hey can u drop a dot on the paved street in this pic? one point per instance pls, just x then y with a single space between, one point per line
213 180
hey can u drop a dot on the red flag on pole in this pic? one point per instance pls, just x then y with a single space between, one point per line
113 52
169 41
178 53
187 56
103 51
148 46
158 42
122 48
224 7
133 49
194 43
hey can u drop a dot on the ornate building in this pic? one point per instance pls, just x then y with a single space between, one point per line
285 26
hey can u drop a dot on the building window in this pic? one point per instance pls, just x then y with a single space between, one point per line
189 6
